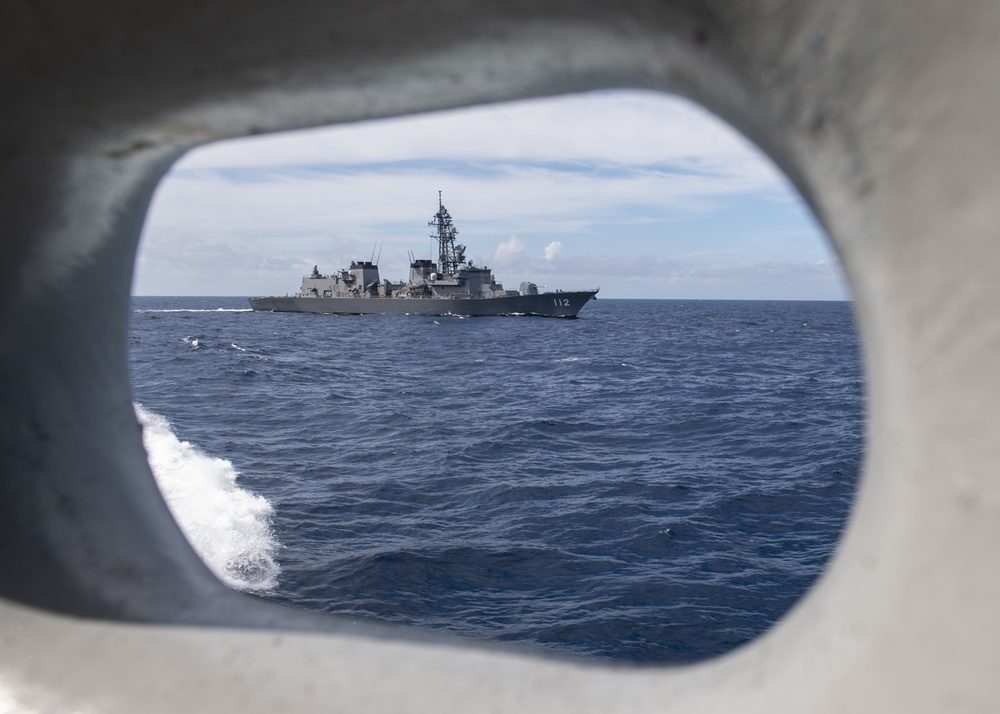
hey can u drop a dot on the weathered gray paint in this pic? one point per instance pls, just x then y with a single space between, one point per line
470 291
884 114
544 304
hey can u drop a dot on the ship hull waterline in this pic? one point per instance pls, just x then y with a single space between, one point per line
565 304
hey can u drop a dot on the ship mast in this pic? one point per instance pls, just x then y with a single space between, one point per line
450 255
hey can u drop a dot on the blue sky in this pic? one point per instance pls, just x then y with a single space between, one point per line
642 194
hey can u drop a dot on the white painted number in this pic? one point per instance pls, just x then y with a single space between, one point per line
561 302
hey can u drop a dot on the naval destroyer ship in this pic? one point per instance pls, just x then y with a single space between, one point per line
451 286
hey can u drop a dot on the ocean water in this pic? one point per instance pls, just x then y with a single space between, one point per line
656 481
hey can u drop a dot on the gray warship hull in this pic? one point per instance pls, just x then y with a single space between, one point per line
563 304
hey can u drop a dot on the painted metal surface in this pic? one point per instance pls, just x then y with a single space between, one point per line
546 304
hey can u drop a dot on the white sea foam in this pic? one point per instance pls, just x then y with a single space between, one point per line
228 526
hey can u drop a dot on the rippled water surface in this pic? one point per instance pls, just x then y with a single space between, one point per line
656 481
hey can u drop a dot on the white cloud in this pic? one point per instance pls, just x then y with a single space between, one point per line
510 253
658 276
510 199
549 165
614 127
650 178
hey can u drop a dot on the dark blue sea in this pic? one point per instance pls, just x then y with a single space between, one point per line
655 481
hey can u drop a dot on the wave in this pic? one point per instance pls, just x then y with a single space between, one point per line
228 526
211 309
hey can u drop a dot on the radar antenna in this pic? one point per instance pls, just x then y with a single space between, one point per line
450 256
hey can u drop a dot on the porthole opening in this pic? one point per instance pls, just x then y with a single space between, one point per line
658 480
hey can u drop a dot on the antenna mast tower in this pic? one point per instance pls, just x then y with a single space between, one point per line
450 255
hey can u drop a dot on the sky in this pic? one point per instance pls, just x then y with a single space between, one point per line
642 194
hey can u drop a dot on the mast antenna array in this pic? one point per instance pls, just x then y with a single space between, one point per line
450 255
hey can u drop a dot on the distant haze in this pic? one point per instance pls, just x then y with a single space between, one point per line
642 194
